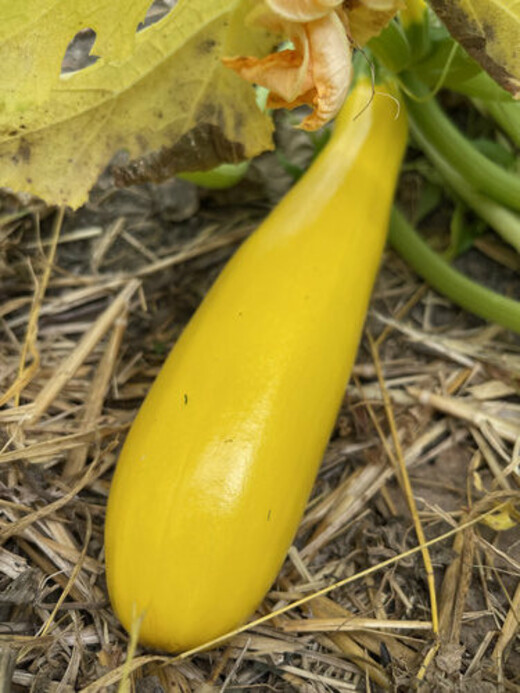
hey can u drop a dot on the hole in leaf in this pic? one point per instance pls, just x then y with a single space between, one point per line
157 10
77 56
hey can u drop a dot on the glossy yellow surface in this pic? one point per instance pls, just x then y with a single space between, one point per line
217 468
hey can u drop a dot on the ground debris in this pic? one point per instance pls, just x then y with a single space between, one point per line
91 304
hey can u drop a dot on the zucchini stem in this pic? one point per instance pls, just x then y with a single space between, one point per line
504 221
506 115
476 169
448 281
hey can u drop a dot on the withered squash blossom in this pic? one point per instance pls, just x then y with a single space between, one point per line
318 69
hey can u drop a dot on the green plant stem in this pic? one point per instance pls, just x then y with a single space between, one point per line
506 115
447 280
476 169
505 222
481 86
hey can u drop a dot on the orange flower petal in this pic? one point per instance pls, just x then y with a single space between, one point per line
331 67
285 73
305 99
317 72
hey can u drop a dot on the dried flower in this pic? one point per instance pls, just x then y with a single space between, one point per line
318 69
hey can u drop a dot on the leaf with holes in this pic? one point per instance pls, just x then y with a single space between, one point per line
490 31
34 35
161 90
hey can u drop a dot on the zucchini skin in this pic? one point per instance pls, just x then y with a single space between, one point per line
217 468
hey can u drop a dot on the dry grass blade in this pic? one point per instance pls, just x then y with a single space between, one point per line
407 488
40 453
126 669
20 525
489 456
351 648
469 412
455 587
71 580
327 625
362 486
193 252
125 684
78 456
403 312
116 675
441 346
71 364
7 665
509 629
47 567
25 373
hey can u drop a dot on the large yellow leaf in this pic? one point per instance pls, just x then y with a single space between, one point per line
163 89
490 32
34 35
368 21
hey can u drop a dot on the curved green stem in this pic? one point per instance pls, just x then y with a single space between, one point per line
504 221
447 280
476 169
480 86
507 116
219 178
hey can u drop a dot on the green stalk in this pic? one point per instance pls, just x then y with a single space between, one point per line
476 169
447 280
219 178
480 86
505 222
505 114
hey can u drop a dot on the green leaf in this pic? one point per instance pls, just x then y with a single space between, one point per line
490 31
162 95
495 151
430 197
463 231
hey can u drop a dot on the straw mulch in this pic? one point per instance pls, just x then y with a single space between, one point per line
425 450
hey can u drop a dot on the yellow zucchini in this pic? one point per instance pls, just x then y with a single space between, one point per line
218 466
